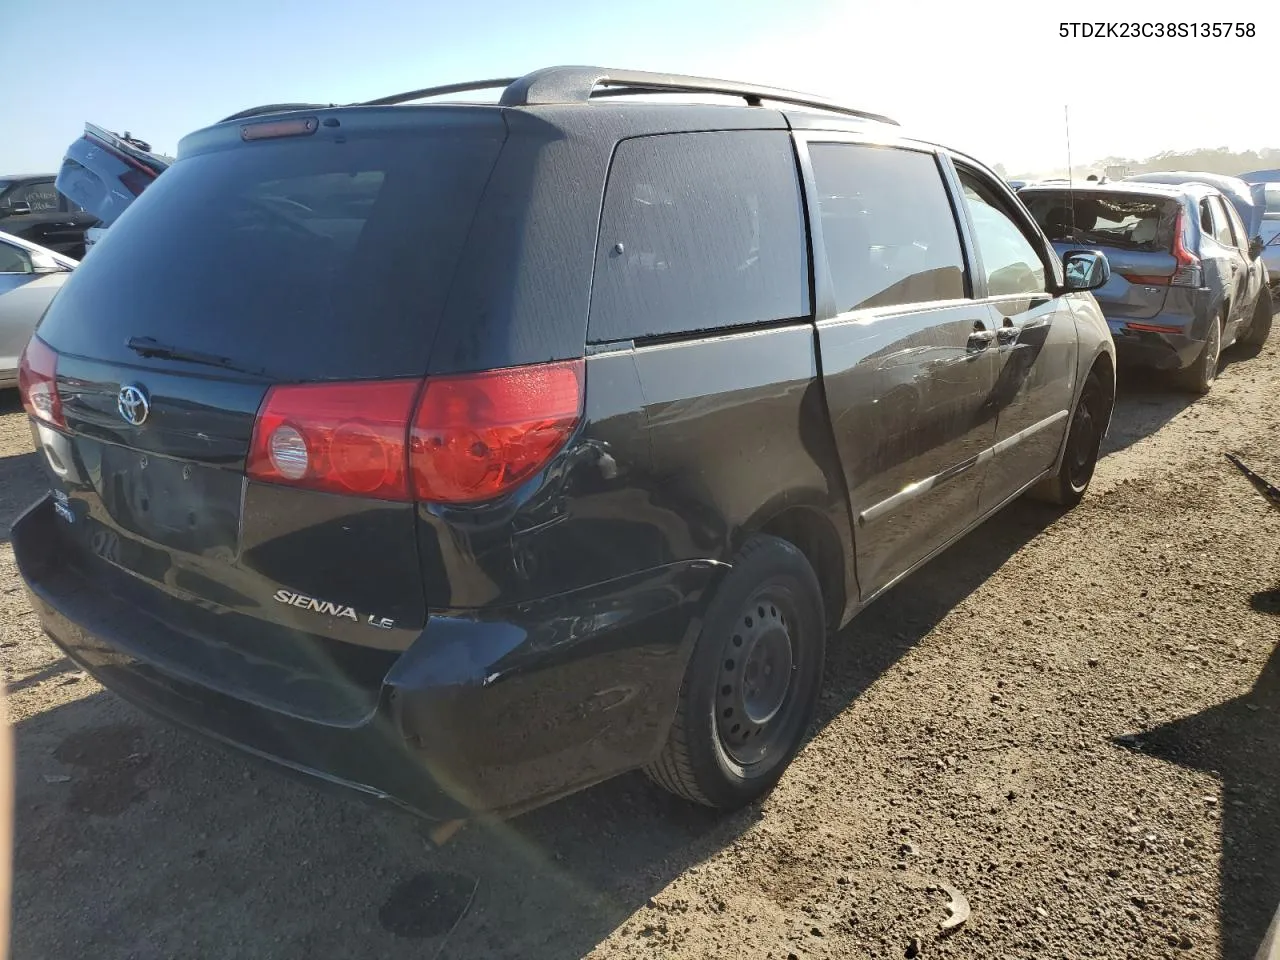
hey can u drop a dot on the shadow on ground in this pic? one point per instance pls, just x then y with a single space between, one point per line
148 836
1237 741
1146 400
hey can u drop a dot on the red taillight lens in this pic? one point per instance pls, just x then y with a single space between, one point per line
479 435
1187 273
37 382
1149 280
341 438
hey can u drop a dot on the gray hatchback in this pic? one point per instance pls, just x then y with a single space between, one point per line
1186 279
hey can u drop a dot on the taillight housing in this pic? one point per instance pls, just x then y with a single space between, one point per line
337 437
479 435
450 439
1188 272
38 383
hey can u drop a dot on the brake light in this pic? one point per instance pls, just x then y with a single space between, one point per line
38 383
340 438
471 437
1146 279
1187 273
479 435
279 128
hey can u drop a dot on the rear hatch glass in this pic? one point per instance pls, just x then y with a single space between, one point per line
317 257
1135 231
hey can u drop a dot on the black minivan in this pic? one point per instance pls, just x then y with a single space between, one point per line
469 454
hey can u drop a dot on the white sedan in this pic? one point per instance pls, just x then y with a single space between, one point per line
29 277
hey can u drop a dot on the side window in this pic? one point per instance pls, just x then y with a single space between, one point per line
41 195
700 231
1208 226
1222 225
887 225
1011 262
1238 230
14 259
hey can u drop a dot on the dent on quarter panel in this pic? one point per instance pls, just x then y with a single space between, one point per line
739 432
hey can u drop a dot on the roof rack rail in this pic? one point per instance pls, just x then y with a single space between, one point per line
440 91
579 85
273 108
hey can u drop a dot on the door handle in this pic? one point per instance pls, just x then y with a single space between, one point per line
980 339
1007 335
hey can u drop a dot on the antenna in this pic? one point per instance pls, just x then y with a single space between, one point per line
1071 182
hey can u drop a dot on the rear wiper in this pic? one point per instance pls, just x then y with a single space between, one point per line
151 347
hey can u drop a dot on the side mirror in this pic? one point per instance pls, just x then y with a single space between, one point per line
19 208
1085 270
43 263
1255 248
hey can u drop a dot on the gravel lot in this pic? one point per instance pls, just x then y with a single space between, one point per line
1069 720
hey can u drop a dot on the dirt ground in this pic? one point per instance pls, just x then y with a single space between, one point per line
1070 721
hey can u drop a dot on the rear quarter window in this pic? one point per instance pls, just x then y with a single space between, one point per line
700 231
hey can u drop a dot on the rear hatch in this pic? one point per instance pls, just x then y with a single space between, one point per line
296 271
104 172
1135 231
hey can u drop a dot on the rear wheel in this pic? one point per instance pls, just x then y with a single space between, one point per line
752 683
1260 325
1084 439
1199 377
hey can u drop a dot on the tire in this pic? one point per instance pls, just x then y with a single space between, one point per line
736 730
1199 377
1260 325
1084 439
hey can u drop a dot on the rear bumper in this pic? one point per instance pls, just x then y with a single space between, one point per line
1138 347
496 712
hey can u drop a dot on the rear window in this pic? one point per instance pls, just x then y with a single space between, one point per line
314 259
1107 219
699 231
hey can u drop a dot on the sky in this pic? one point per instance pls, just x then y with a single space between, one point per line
988 77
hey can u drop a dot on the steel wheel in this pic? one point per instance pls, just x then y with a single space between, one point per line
756 679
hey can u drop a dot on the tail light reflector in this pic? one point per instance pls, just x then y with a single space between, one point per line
1143 279
1155 328
470 437
1187 273
477 436
37 383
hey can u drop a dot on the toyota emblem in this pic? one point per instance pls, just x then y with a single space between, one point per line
133 404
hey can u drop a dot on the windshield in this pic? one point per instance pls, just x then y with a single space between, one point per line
1125 220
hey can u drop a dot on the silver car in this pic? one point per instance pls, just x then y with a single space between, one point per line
29 277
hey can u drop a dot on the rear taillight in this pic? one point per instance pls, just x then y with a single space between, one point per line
479 435
340 438
37 382
1143 279
1187 273
470 438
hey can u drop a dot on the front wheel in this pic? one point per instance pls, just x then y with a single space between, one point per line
752 683
1084 439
